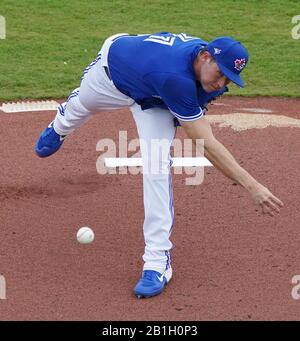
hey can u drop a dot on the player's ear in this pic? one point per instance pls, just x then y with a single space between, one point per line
206 56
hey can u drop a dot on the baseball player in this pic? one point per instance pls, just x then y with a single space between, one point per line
166 80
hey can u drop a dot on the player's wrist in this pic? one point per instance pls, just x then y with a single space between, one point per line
252 185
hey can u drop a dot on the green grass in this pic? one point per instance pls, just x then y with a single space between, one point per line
49 42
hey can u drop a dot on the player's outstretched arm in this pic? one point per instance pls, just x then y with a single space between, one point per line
223 160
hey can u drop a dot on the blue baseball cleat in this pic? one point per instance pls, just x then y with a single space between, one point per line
49 142
152 283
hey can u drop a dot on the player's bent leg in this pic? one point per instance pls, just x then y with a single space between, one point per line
96 93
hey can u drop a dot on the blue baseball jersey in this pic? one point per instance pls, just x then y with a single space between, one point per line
157 71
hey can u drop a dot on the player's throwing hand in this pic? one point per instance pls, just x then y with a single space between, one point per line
266 200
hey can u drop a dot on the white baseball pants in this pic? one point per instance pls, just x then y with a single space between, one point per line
97 93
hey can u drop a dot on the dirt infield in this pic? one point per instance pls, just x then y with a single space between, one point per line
229 263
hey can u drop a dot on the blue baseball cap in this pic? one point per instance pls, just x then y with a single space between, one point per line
231 57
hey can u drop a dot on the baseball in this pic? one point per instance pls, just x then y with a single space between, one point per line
85 235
